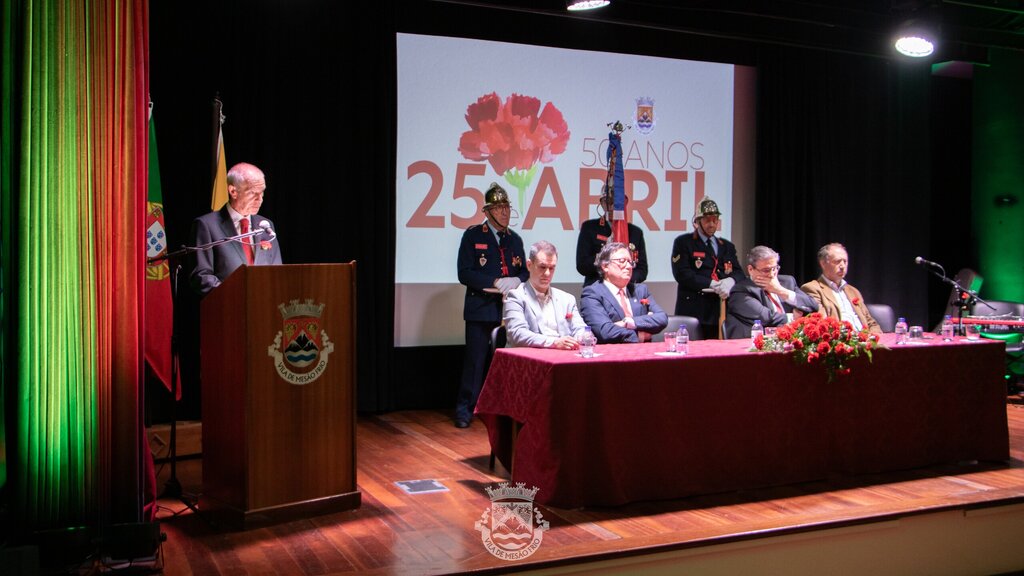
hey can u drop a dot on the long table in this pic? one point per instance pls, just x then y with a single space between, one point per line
632 425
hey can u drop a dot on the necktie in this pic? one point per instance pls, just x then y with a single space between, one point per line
243 225
713 254
626 308
502 245
775 301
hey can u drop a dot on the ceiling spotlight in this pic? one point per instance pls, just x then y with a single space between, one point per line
576 5
918 36
915 46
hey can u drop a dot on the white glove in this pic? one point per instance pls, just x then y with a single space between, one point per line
724 287
507 283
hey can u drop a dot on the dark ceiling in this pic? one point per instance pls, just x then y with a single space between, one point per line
967 27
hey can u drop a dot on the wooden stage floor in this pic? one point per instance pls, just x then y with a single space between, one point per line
433 533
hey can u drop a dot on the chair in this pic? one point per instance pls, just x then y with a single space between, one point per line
499 337
884 315
674 322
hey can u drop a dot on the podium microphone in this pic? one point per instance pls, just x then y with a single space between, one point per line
267 229
921 262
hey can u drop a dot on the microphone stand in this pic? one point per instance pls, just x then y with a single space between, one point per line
964 298
172 488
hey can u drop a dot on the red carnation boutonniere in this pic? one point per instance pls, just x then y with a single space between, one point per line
855 301
264 245
568 316
644 301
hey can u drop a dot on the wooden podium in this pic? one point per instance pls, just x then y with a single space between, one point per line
278 390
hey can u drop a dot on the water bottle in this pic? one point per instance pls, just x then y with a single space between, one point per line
901 331
682 341
947 328
756 330
587 342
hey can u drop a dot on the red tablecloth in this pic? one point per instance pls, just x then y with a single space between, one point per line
630 425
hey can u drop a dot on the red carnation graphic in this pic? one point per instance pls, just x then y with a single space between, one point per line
513 137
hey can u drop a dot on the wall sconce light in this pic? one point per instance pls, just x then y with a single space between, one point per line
1006 201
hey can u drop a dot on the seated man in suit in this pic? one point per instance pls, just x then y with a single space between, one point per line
616 311
537 314
835 295
246 185
764 295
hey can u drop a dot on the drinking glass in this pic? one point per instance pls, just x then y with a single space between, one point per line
670 341
973 331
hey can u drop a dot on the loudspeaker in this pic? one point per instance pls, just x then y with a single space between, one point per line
134 541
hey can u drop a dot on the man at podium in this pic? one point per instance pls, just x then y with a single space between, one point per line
246 185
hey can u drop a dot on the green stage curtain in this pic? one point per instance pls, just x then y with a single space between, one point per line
75 87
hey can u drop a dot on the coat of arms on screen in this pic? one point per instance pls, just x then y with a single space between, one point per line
301 347
512 528
645 115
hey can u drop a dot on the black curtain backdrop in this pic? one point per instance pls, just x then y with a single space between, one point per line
843 156
845 153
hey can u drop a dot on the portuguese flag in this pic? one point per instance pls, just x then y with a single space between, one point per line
159 305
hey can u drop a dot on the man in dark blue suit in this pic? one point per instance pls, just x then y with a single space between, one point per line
491 262
764 296
246 186
615 310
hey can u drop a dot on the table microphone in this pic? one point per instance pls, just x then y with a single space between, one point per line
265 225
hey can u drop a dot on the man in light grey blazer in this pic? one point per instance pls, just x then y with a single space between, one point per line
537 314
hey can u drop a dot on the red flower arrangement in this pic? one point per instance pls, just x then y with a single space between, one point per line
513 136
815 339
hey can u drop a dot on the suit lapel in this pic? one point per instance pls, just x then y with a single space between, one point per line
227 227
852 295
827 294
613 299
533 304
635 298
559 315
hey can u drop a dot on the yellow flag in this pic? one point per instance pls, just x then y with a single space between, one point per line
220 181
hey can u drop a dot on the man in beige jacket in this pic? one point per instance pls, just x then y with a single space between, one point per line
835 295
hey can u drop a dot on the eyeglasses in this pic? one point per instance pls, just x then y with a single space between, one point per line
624 262
768 270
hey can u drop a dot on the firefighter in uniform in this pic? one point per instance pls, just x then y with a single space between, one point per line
593 236
706 268
491 262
